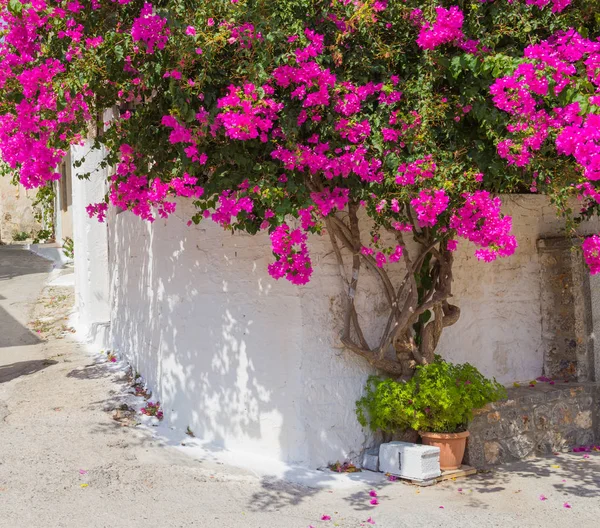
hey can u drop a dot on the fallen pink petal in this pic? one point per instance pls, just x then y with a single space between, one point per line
326 518
373 493
567 505
370 520
374 502
543 497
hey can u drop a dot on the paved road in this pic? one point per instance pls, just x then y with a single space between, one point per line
65 462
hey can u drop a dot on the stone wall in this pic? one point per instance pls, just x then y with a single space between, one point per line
535 421
16 210
567 332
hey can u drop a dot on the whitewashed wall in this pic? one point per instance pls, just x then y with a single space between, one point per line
253 364
500 326
91 247
248 363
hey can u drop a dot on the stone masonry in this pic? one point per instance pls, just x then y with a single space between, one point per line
16 210
535 421
566 311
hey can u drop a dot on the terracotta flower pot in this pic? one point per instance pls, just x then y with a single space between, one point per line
452 447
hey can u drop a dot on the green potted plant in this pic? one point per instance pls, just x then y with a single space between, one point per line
438 402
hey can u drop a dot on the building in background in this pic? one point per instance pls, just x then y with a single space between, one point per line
19 218
42 217
63 208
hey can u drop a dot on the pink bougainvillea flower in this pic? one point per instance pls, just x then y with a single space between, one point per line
370 520
543 497
441 508
292 258
567 505
480 221
150 29
374 502
445 29
326 518
591 253
372 493
366 250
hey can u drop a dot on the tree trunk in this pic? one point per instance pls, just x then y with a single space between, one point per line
417 314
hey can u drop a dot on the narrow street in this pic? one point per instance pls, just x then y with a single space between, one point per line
66 462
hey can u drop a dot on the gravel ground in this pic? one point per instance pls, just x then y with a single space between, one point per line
66 462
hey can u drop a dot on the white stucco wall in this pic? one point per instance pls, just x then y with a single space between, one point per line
252 364
246 362
91 247
499 330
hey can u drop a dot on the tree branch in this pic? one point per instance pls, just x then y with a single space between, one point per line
351 286
347 236
388 365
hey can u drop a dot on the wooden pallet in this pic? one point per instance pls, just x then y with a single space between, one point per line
451 474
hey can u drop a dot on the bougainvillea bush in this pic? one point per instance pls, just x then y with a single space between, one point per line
387 126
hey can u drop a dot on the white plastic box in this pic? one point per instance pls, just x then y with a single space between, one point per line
411 461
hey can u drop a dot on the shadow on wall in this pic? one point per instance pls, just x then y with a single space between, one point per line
223 360
248 364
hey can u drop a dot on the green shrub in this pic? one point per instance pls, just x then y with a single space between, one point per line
68 247
43 235
20 236
439 398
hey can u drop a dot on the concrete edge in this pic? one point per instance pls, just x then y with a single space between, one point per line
53 254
